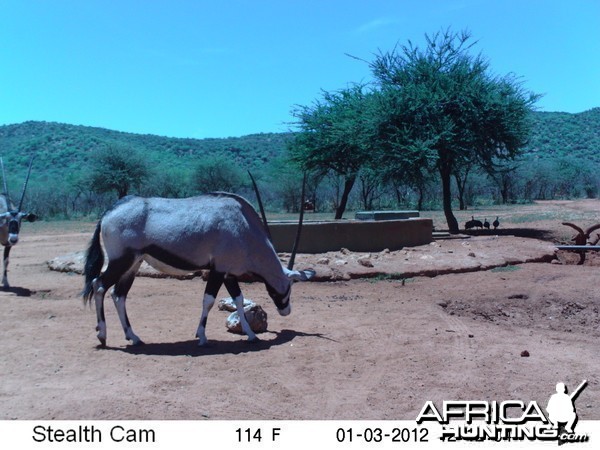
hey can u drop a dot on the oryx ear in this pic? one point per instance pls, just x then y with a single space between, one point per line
300 275
30 217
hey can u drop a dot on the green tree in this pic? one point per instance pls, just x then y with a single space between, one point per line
337 134
403 157
171 182
447 102
117 168
218 173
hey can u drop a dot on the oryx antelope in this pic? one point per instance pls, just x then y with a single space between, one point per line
221 232
10 221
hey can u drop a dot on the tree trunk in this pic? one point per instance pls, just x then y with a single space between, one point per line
504 194
122 191
461 183
461 200
446 173
421 190
348 184
460 186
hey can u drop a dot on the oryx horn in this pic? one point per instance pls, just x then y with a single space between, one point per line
25 184
299 230
4 178
261 207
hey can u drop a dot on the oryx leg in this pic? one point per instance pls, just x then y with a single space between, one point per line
214 283
105 281
119 295
5 273
236 293
99 292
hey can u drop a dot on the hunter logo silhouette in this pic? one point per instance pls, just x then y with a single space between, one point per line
561 407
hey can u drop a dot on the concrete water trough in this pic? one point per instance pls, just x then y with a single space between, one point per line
354 235
386 215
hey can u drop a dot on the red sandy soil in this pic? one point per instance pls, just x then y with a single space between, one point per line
447 321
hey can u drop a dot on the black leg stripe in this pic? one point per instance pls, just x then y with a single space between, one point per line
214 283
116 269
233 287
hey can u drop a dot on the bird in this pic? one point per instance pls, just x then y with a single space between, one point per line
486 224
496 223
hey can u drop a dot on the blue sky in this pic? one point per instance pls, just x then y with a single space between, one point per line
218 68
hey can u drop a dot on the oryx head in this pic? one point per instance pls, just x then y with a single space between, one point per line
282 300
12 217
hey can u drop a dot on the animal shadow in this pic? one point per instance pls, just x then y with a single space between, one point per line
531 233
18 291
214 347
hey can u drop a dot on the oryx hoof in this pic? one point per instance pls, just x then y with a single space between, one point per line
102 342
137 343
254 340
202 342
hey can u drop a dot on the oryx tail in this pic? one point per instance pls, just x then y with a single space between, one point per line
94 261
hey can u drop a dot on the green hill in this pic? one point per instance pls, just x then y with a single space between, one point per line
557 134
563 147
62 149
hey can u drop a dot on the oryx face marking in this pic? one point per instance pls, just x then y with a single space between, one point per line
13 223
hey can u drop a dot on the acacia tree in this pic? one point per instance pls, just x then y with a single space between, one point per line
402 158
337 134
217 173
117 168
445 103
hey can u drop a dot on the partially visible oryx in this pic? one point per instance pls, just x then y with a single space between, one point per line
10 220
220 231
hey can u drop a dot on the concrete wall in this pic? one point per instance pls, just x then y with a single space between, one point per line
359 236
385 215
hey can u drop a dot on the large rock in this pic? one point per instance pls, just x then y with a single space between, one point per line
256 317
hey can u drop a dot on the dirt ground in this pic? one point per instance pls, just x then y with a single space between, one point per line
487 317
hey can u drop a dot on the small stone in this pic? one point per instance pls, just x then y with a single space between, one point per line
365 261
471 254
525 354
325 261
228 304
